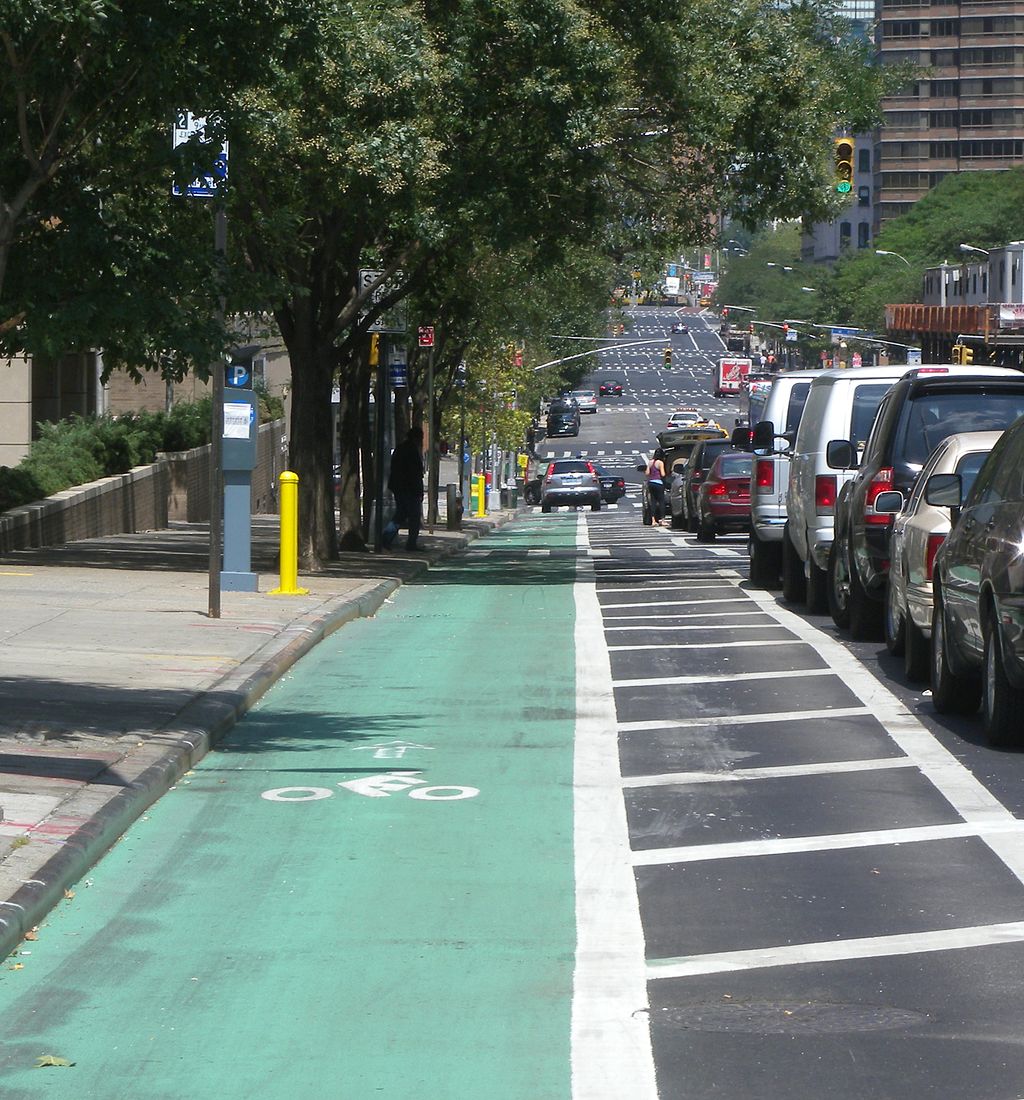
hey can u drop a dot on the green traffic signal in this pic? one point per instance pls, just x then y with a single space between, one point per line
844 165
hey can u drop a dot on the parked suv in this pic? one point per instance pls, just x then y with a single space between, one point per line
978 615
841 404
915 416
684 485
563 418
777 415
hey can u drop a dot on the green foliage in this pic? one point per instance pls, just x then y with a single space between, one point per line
83 449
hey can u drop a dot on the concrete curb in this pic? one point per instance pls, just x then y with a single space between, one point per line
99 813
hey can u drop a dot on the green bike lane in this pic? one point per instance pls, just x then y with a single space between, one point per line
366 890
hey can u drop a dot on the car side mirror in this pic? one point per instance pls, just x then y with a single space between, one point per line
764 435
944 490
840 454
889 503
741 437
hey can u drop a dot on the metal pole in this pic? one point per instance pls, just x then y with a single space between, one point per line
220 247
462 444
380 429
431 446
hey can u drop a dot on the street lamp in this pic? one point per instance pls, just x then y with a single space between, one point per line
810 289
783 266
884 252
973 248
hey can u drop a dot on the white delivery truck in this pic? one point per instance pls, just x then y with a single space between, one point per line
730 376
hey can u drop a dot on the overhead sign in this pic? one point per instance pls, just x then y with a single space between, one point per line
204 186
791 336
393 318
843 333
1011 315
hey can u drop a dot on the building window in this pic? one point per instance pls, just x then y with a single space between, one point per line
864 162
944 28
845 230
864 195
863 234
942 89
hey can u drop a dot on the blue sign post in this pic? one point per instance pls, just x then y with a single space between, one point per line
240 430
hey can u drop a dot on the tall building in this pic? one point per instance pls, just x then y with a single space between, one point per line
966 113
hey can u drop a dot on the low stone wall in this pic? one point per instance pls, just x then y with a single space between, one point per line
175 487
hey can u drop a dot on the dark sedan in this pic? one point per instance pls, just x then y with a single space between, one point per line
978 593
613 486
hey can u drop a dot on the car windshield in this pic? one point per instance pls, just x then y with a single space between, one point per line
968 468
570 466
935 416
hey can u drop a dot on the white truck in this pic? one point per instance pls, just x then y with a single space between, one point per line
730 376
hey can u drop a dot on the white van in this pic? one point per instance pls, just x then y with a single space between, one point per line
841 404
775 416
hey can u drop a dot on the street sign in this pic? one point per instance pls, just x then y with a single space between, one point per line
237 375
204 186
843 333
393 318
855 359
913 356
398 371
791 336
425 336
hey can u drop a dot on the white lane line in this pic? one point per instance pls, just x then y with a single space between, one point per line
964 792
661 552
702 645
610 1039
783 771
600 553
538 553
723 678
742 719
695 626
834 842
721 552
875 947
678 603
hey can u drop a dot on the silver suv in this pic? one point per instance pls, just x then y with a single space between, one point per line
570 481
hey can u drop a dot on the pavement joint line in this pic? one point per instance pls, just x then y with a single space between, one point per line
653 725
782 771
146 769
873 947
833 842
724 678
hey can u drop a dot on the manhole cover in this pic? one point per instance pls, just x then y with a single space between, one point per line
785 1017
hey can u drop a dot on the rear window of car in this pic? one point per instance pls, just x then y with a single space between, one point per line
734 466
866 399
795 408
968 468
561 407
932 417
570 466
712 451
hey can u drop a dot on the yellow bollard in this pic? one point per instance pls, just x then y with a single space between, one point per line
289 537
481 494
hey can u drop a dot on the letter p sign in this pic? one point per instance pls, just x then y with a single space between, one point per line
237 376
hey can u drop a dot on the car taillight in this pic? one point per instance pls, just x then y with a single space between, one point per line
880 483
718 489
590 467
696 475
551 469
825 494
764 475
934 542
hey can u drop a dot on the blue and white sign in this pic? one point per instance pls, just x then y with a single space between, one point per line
237 375
844 333
187 126
398 371
913 356
672 271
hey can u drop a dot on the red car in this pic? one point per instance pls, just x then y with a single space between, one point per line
610 389
723 502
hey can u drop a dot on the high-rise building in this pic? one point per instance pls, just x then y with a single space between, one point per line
965 113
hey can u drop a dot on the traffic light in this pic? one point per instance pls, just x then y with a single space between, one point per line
668 357
958 351
374 349
844 165
785 329
966 355
725 313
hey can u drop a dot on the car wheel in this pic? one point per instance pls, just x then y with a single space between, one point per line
705 531
794 584
676 522
648 518
817 589
951 692
895 622
595 506
764 562
1001 701
916 655
865 613
545 507
838 587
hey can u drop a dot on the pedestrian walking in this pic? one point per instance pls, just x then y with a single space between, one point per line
406 482
656 485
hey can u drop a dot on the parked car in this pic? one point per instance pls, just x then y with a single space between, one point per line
586 399
920 410
570 481
723 501
683 488
978 611
917 533
778 409
613 486
841 404
678 326
610 389
563 418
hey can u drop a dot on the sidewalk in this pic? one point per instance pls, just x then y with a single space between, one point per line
114 681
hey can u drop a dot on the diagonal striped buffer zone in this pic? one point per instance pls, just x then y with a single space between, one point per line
828 903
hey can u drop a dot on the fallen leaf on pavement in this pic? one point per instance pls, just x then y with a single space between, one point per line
51 1060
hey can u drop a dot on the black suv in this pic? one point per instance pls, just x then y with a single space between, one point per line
919 412
684 501
563 418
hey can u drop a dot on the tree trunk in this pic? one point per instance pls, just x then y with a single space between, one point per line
310 446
